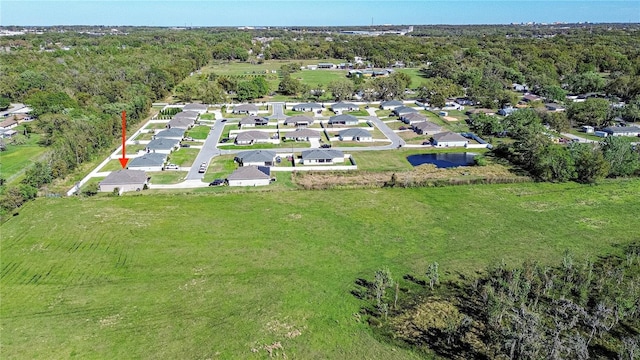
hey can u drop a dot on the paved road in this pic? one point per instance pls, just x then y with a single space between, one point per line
278 111
580 139
208 151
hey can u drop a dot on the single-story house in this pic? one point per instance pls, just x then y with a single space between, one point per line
344 119
187 114
530 97
403 110
341 107
172 133
426 127
465 101
355 134
554 107
250 176
251 137
390 105
249 109
9 123
302 135
148 162
506 111
125 180
326 66
199 108
519 87
253 121
299 121
322 156
163 146
622 130
307 107
256 157
449 139
180 122
7 133
452 105
413 118
587 129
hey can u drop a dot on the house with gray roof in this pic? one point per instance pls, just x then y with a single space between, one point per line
9 123
187 114
343 119
507 111
199 108
124 180
180 122
302 135
248 109
449 139
355 134
256 157
251 137
391 104
413 118
172 133
622 130
403 110
148 162
341 107
426 127
554 107
298 121
163 146
250 176
253 121
322 157
307 107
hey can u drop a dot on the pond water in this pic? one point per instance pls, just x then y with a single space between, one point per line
443 160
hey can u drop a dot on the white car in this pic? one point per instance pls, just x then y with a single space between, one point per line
171 167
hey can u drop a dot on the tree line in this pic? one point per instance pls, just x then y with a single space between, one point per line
574 310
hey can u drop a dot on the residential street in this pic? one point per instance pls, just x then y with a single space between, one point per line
580 139
208 151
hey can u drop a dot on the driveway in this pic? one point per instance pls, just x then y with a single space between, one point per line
278 111
578 138
208 151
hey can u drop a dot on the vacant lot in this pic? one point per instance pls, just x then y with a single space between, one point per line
21 152
222 275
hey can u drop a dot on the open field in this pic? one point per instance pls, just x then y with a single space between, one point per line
166 177
217 275
17 158
199 132
184 156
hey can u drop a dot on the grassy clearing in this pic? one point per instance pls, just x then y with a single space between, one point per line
167 177
199 132
156 126
220 168
21 152
585 135
162 276
112 165
184 156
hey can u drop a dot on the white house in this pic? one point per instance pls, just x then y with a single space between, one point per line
341 107
124 180
302 135
298 121
250 176
322 157
390 105
148 162
199 108
162 146
307 107
248 109
622 130
256 158
252 137
344 119
449 139
355 134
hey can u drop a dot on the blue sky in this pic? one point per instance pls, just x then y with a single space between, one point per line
310 12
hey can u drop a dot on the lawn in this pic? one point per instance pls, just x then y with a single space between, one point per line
222 274
156 126
111 165
199 132
17 158
322 77
166 177
220 167
184 156
585 135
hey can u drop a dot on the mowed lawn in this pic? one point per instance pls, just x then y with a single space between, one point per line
17 158
217 275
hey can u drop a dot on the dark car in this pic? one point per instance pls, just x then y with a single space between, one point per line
223 120
185 145
217 182
325 146
224 140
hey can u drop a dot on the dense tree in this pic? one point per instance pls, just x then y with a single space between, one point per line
622 158
586 82
341 89
590 164
289 86
593 111
4 103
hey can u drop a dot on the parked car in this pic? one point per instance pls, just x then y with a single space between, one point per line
217 182
223 120
224 140
188 138
171 167
202 170
325 146
185 145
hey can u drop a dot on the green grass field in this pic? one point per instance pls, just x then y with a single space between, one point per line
212 275
17 158
167 177
184 156
199 132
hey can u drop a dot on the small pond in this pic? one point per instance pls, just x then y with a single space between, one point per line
443 160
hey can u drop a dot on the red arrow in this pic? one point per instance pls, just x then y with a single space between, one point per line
124 160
